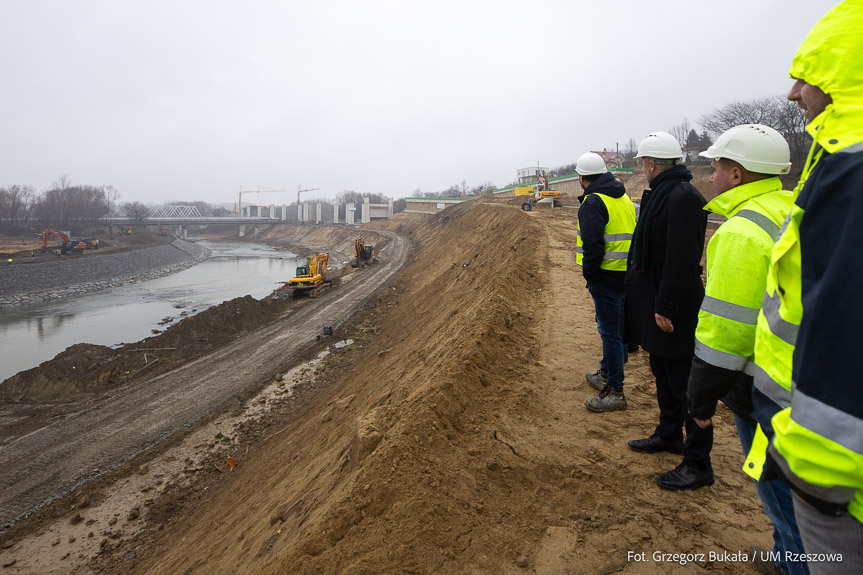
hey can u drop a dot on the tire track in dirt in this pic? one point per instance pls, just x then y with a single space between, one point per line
56 459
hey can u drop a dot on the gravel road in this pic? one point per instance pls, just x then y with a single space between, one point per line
51 461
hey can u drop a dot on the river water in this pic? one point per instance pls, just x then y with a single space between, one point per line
32 334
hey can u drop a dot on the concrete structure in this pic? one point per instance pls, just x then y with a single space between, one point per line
431 205
526 175
323 212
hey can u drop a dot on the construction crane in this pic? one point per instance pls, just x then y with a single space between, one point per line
300 191
241 192
240 198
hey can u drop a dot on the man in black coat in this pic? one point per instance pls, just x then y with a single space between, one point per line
663 295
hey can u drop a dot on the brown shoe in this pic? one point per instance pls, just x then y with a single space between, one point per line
607 400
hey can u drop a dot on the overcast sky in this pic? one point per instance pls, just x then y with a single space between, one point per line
195 100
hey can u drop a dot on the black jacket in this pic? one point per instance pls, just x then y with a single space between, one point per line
828 343
592 219
671 285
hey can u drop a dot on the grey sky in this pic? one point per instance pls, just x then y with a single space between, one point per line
193 100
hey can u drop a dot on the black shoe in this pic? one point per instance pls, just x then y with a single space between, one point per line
685 477
654 443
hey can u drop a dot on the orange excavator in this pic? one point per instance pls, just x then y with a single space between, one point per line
69 246
311 278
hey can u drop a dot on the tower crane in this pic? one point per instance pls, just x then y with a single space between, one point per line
241 192
240 197
300 191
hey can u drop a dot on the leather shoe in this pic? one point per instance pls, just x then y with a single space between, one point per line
654 443
685 477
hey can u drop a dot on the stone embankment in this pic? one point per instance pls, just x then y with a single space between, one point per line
33 283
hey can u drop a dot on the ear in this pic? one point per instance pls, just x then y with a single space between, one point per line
736 176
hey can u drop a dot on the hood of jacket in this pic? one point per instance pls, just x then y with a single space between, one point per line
604 184
831 58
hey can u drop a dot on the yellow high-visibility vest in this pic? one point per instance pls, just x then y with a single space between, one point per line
738 257
617 234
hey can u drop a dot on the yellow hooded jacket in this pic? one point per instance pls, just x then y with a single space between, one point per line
815 278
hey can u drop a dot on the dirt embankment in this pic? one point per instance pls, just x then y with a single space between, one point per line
456 441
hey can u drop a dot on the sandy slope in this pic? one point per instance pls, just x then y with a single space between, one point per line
457 441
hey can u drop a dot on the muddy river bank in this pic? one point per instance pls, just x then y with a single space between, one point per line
138 305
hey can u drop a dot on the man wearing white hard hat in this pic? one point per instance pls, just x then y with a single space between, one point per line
606 220
747 161
663 295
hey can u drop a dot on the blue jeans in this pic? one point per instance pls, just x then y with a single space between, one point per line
778 505
609 313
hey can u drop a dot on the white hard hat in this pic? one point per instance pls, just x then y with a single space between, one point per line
589 164
756 147
660 145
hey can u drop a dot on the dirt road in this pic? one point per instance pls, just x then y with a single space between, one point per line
53 460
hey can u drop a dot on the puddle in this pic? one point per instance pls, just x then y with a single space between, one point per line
343 343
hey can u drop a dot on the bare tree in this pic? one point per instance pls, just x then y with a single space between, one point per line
561 171
631 149
453 191
484 189
16 203
70 207
136 210
681 131
352 197
774 111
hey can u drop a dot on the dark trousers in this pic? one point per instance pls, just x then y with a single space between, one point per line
672 377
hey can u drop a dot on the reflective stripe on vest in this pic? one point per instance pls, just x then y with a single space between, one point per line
779 319
768 386
827 421
761 221
784 330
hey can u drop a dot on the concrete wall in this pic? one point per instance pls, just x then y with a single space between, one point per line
431 205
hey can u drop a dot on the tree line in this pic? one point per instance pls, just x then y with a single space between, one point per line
63 206
774 111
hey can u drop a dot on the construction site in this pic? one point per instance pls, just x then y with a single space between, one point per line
438 426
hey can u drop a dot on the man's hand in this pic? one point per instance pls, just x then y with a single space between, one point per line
703 423
664 323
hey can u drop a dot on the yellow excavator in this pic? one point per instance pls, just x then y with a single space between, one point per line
311 278
542 192
365 254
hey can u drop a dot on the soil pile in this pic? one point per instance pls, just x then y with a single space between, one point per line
457 442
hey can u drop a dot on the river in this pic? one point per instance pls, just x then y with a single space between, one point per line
32 334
